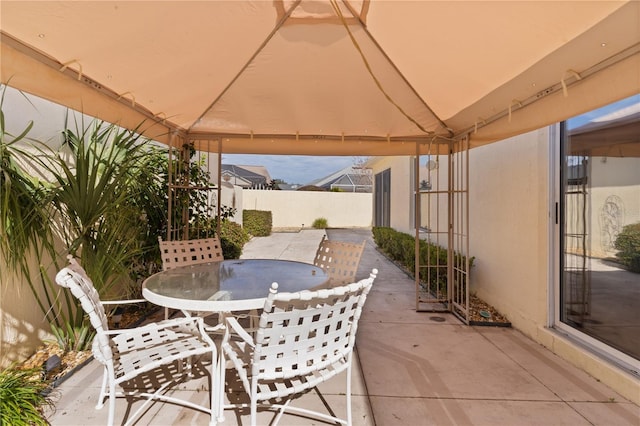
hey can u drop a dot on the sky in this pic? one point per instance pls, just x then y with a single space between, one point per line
292 169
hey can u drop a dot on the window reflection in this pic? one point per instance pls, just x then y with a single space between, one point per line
600 285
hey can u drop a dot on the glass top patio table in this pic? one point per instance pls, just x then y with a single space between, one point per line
230 285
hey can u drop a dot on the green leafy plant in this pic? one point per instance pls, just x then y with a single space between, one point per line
628 242
320 223
103 200
191 211
400 247
94 175
70 338
232 238
257 222
22 397
25 225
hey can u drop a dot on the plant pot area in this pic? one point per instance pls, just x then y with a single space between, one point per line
481 313
54 363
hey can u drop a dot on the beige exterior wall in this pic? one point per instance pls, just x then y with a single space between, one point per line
508 227
297 209
22 324
231 196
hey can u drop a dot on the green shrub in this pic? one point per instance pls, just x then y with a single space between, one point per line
22 397
400 247
233 237
257 222
628 242
320 223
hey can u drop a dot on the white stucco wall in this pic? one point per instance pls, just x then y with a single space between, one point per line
297 209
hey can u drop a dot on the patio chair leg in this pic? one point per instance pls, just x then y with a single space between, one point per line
217 387
254 402
112 404
349 423
103 389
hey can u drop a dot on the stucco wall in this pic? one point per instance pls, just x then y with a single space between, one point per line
22 324
508 227
297 209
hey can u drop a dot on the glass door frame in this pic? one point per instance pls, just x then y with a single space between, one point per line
556 261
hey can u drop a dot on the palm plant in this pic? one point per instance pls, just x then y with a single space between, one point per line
24 228
103 198
102 189
94 200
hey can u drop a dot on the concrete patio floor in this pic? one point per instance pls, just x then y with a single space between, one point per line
412 368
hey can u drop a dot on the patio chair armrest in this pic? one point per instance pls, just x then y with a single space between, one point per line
199 322
233 324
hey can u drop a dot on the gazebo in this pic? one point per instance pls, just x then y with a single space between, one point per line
331 77
328 77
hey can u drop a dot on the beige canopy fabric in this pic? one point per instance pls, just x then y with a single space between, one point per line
324 77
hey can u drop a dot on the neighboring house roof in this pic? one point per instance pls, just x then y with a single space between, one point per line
241 176
351 179
261 170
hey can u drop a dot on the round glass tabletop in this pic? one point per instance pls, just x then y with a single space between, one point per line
229 285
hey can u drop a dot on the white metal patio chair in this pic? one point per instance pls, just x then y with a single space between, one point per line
303 339
128 354
340 260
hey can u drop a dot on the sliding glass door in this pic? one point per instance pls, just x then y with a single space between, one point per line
600 226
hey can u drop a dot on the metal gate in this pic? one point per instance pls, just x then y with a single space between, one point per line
576 297
442 260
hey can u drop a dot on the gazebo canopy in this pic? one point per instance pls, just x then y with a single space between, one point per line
324 77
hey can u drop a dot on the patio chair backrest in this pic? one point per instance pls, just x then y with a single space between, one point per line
340 260
190 252
76 280
308 332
